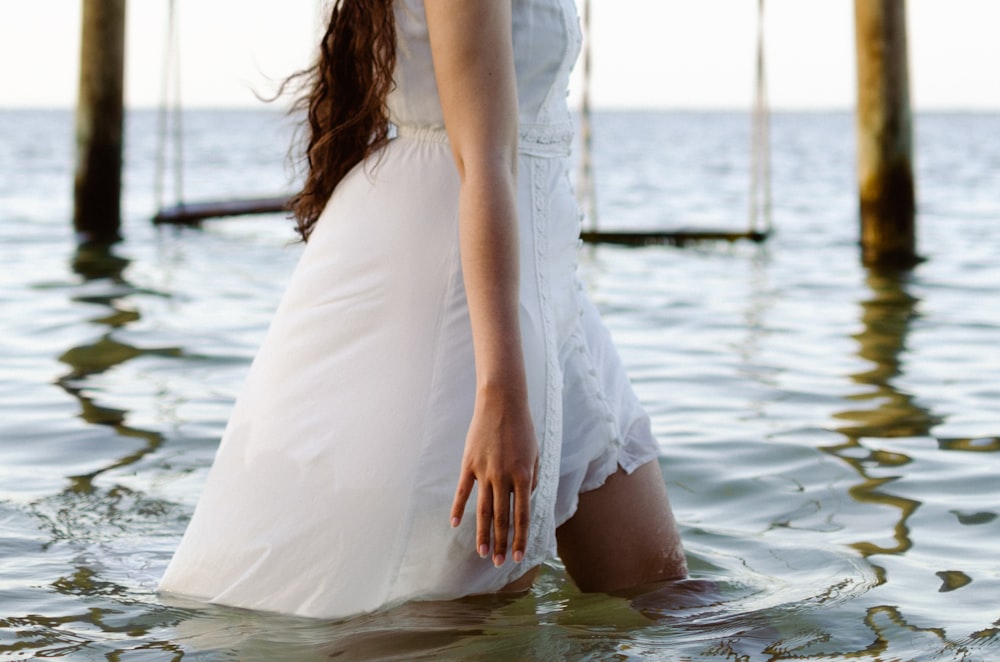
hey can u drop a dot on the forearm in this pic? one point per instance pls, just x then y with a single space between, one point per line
474 65
473 61
489 246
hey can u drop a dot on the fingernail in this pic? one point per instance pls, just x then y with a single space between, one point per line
518 556
498 560
484 549
454 522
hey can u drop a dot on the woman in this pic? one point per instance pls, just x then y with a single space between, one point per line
436 405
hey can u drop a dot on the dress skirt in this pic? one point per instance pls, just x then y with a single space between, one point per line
331 491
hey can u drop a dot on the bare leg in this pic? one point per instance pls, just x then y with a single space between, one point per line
623 534
521 584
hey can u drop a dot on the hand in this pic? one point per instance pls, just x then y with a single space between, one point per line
501 454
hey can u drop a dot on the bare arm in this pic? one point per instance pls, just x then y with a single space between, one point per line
474 67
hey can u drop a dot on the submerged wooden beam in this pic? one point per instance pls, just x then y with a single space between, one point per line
670 237
885 135
99 121
193 213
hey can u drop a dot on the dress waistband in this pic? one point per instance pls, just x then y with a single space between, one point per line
542 141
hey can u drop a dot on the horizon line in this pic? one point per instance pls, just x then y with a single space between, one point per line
596 108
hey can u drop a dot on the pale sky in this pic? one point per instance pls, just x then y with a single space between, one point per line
647 53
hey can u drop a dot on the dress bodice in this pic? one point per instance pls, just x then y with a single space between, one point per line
546 38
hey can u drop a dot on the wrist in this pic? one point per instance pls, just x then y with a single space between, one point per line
510 386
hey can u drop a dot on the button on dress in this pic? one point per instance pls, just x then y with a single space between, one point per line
331 490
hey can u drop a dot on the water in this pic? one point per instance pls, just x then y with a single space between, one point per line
830 435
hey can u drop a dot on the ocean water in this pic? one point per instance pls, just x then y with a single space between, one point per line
830 435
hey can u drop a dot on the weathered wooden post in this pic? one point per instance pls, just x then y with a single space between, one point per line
885 135
99 121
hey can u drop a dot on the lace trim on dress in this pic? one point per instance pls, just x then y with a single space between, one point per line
551 442
548 141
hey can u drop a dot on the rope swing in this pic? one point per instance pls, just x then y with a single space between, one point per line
760 142
587 196
170 113
759 223
170 129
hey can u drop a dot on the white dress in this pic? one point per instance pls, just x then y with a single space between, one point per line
330 494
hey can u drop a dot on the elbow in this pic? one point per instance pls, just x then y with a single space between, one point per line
487 164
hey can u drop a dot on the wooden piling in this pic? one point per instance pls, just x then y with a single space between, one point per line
885 135
99 122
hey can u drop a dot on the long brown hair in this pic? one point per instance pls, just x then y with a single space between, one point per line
344 100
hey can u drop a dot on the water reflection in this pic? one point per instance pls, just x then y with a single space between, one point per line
96 264
95 534
896 638
84 522
976 445
93 261
886 316
426 630
760 300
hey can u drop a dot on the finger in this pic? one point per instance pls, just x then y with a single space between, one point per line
522 520
462 492
501 524
484 518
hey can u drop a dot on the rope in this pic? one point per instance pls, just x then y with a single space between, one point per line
586 193
760 142
760 218
169 115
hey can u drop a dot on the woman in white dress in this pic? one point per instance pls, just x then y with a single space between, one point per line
436 407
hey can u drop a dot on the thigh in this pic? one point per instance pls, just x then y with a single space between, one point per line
623 534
